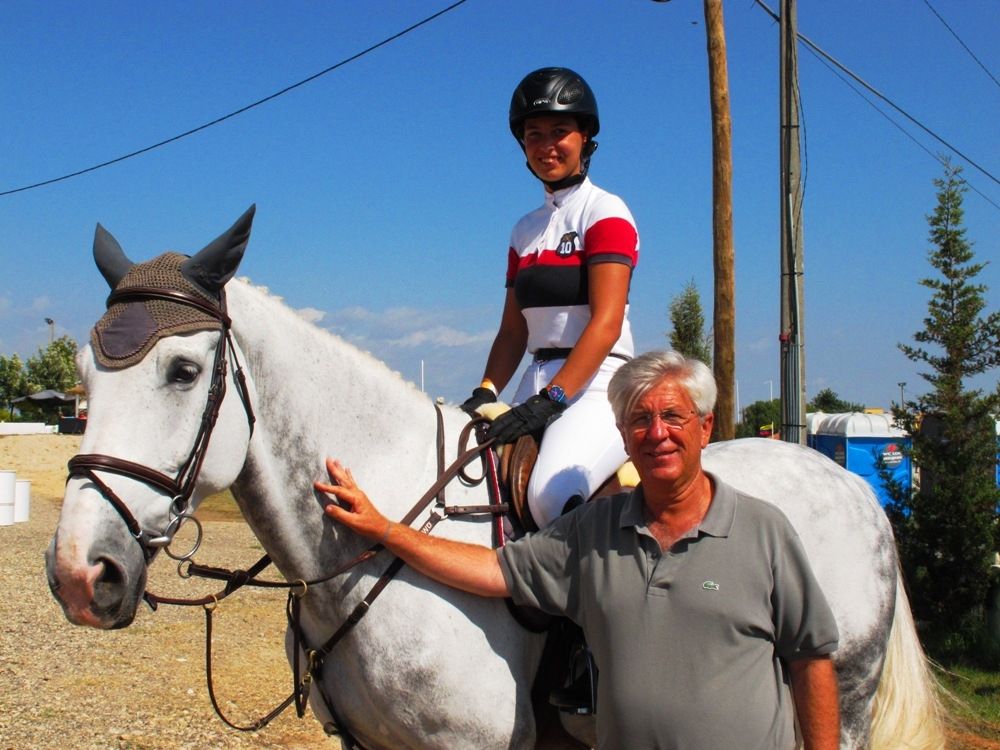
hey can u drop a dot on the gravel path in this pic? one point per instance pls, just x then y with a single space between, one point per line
64 687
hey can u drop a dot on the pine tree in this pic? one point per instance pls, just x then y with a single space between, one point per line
947 529
688 336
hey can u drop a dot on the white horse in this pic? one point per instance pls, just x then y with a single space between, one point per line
428 667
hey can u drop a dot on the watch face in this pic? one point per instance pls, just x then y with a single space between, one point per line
556 393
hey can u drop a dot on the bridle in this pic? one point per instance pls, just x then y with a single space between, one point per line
180 487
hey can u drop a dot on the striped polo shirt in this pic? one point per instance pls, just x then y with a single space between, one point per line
550 251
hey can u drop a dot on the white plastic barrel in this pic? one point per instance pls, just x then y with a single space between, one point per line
8 486
22 500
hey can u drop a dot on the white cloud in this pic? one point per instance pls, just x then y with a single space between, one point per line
401 318
405 337
352 313
311 314
440 336
406 327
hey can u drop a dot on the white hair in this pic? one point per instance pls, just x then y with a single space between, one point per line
637 376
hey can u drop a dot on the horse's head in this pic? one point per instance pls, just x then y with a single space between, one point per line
161 435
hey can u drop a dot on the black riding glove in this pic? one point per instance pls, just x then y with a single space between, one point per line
531 416
479 397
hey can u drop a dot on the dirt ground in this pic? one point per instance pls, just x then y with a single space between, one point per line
143 688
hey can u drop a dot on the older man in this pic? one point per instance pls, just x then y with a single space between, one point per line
698 601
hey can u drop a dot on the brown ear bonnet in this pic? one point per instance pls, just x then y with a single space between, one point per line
128 330
133 325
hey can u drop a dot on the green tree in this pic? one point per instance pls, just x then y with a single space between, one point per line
947 529
688 334
53 367
759 417
829 402
13 382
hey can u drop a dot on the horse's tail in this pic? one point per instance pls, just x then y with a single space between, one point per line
906 712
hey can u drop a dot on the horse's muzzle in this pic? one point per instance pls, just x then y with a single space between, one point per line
100 594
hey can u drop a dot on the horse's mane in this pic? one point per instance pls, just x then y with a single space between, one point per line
293 322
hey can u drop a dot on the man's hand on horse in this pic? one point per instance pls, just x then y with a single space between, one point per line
353 508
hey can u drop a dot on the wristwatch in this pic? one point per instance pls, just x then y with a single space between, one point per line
554 393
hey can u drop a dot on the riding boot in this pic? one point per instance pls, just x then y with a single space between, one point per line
579 694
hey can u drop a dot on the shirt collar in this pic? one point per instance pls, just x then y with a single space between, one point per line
632 514
722 512
718 521
560 198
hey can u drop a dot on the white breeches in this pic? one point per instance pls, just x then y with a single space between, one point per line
580 449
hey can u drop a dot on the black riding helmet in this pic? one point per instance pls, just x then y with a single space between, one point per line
549 91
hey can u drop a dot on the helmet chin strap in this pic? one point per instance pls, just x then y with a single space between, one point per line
574 179
565 182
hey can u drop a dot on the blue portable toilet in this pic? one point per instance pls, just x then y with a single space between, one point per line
998 456
864 444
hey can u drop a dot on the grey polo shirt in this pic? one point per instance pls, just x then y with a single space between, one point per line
688 642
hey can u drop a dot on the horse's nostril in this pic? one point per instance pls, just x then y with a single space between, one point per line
108 585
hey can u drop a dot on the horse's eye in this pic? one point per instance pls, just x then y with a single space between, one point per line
182 373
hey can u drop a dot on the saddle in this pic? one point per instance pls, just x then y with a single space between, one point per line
517 460
516 463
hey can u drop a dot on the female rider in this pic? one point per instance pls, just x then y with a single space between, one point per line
569 267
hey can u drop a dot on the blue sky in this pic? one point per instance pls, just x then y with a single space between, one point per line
386 189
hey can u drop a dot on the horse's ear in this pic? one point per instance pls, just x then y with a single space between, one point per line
110 257
216 263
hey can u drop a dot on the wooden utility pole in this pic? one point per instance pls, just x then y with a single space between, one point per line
724 309
792 336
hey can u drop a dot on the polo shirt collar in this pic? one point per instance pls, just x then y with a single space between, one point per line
717 522
722 512
560 198
632 513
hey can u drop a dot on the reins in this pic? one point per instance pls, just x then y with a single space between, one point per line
315 657
236 579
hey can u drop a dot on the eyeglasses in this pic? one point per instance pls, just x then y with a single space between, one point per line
671 420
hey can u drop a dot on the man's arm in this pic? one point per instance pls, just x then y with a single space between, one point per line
814 687
469 567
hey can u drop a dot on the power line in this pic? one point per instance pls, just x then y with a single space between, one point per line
239 111
815 48
964 45
937 157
